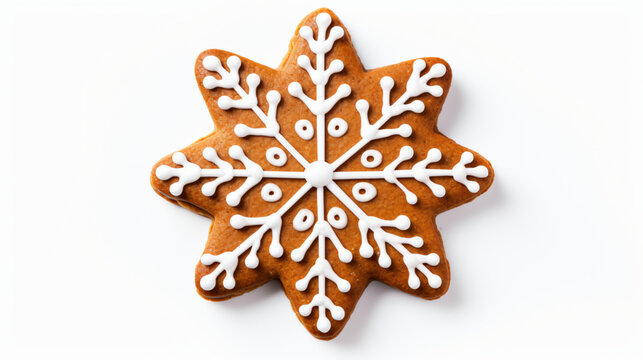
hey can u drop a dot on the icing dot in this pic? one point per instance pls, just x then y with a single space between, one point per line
228 282
336 66
371 158
253 80
363 192
343 285
416 241
305 310
406 152
336 33
434 155
211 63
237 222
271 192
343 90
252 261
224 102
417 106
236 152
418 65
337 313
209 82
337 127
323 324
276 156
304 129
433 259
345 256
405 130
386 82
466 157
306 32
273 96
366 250
179 158
233 62
303 220
163 172
241 130
276 250
384 260
337 218
323 20
207 282
361 105
435 281
294 89
402 222
414 281
438 70
301 285
303 61
297 255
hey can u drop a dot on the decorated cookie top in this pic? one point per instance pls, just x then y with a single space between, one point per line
322 175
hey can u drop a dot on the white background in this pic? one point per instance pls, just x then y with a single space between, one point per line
547 264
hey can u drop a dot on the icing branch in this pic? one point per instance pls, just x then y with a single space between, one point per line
419 172
319 107
322 44
415 86
228 261
248 100
321 229
322 270
337 218
412 261
322 302
320 76
191 172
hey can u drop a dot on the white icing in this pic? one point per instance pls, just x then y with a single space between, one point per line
189 173
303 220
337 218
371 158
272 127
337 127
322 302
304 129
363 191
415 86
323 268
276 156
319 174
321 230
271 192
209 188
318 107
419 172
246 102
229 260
382 238
230 80
406 153
255 174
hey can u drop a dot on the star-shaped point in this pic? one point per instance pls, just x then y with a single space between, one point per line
288 199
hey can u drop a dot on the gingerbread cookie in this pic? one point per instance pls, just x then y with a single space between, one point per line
322 175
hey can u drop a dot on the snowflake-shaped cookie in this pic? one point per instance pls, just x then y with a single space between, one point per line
322 175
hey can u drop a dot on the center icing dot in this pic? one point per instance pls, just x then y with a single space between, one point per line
319 174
